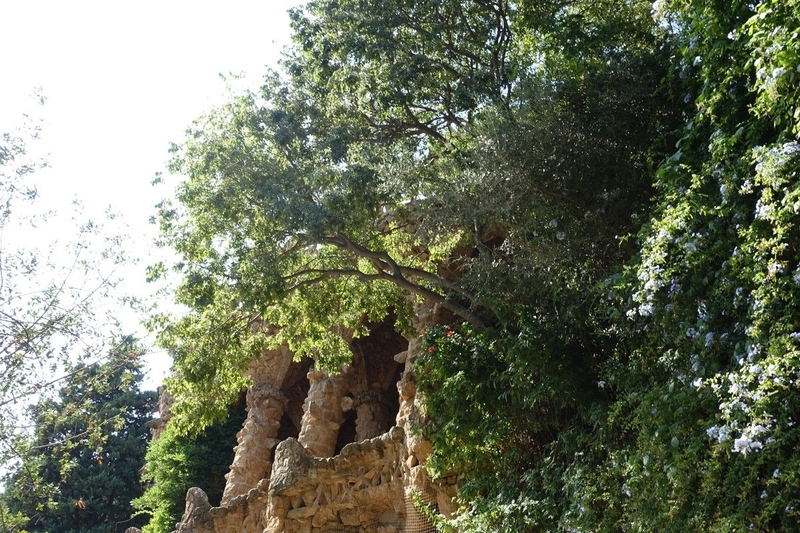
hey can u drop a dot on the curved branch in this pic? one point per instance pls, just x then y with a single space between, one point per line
389 270
323 274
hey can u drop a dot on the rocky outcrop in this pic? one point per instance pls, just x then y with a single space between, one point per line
355 465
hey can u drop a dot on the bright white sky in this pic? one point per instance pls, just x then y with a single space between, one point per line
122 81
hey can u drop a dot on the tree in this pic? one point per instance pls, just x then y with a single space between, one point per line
386 165
81 468
55 297
691 423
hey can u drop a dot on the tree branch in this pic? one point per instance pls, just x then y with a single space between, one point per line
389 270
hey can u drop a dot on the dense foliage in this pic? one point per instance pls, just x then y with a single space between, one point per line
175 463
690 424
604 194
80 471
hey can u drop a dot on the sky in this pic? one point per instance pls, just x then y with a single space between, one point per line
122 80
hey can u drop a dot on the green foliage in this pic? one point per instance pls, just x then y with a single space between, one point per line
175 463
511 391
690 424
716 288
80 470
404 68
336 192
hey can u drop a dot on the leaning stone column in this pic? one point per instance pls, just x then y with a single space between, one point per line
252 457
322 413
372 418
265 407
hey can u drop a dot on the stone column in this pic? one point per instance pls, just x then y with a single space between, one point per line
372 418
411 410
265 407
158 425
252 457
322 413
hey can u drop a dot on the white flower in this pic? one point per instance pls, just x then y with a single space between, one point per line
790 147
762 210
746 444
778 72
719 433
775 268
601 384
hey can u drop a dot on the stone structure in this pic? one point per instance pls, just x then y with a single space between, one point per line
165 402
265 407
345 459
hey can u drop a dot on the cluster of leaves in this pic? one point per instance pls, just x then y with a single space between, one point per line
176 462
80 469
384 164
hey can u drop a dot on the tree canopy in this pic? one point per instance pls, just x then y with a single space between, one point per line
368 170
